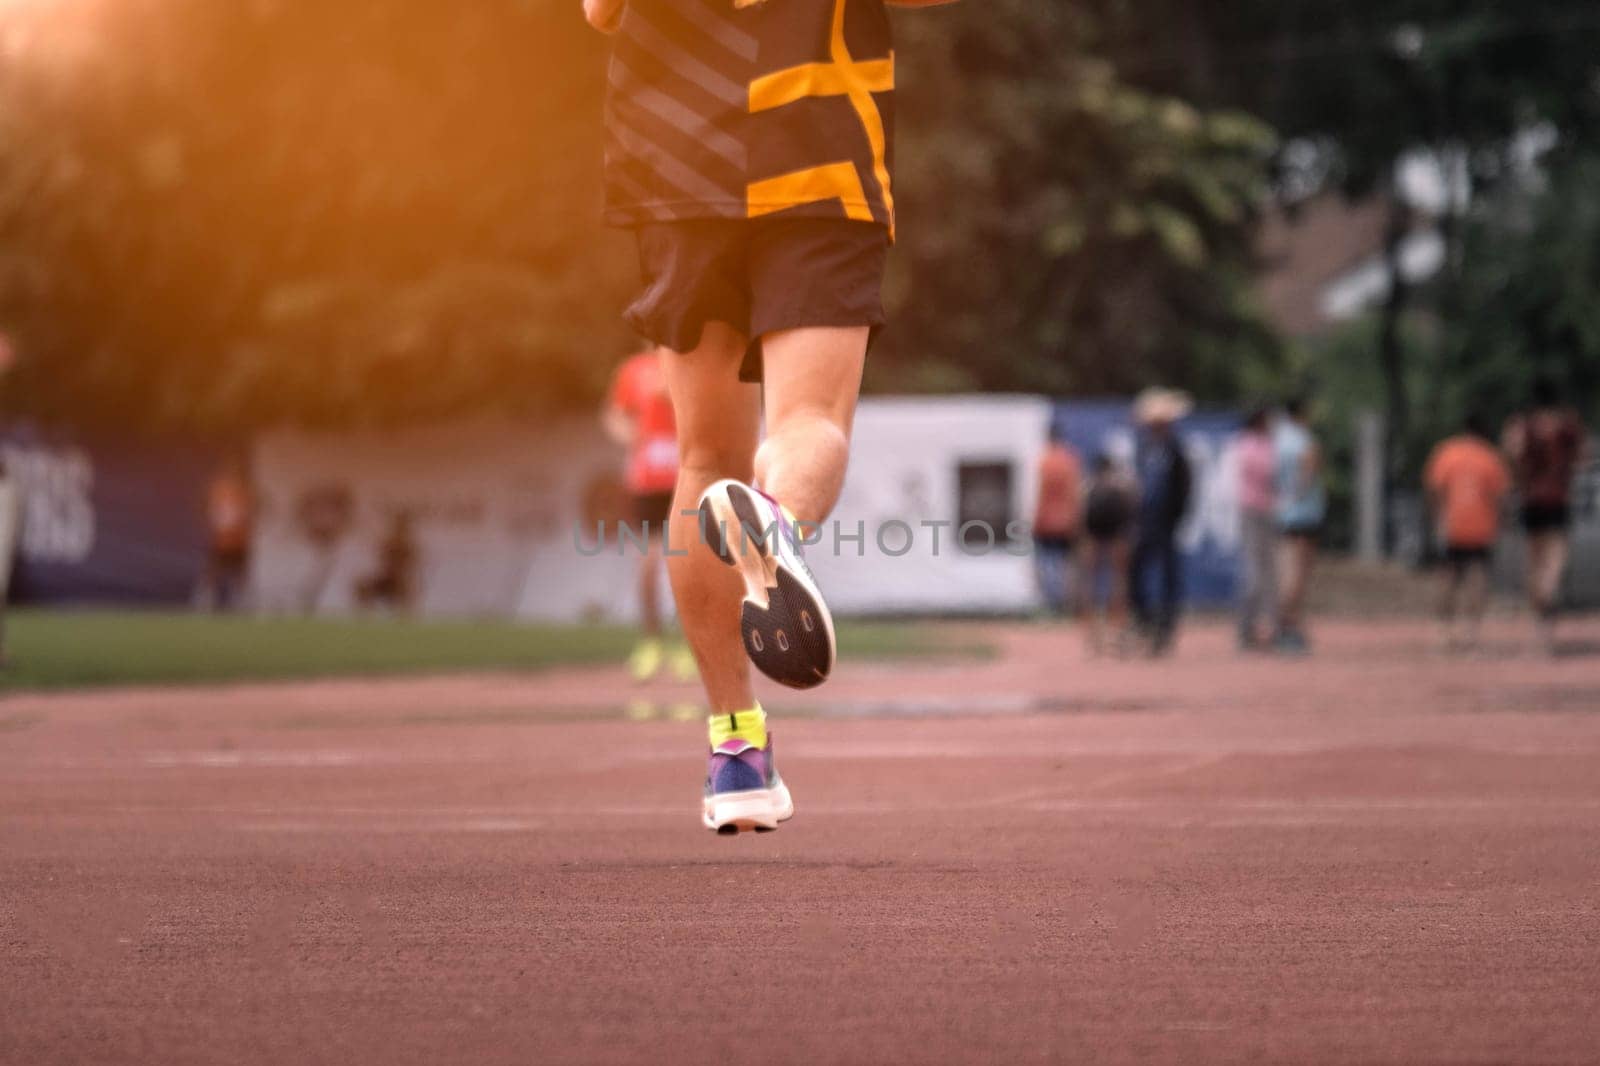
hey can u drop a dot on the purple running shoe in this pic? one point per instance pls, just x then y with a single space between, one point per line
743 789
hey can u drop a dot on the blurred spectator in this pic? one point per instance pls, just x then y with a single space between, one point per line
638 415
230 520
1466 481
1108 521
1547 444
10 525
1302 506
1164 485
1258 531
394 583
1056 518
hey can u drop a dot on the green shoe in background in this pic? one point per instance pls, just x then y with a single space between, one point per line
683 664
646 660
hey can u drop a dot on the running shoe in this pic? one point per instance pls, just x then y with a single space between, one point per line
787 630
743 789
1292 641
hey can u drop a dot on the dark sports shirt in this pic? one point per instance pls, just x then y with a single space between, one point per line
1552 445
718 111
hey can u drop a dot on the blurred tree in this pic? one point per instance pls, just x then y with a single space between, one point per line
223 214
217 214
1528 300
1355 87
1065 231
226 214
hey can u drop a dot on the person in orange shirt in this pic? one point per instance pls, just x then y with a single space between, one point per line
230 521
1467 482
638 415
1056 517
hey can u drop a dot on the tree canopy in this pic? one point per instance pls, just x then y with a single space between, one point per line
226 215
242 213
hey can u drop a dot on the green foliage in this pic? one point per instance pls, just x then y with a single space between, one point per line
225 214
1526 293
288 210
1352 88
230 214
1529 297
1062 230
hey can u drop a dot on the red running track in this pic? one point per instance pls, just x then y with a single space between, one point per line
1378 855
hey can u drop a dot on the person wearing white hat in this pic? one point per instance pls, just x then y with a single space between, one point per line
1164 486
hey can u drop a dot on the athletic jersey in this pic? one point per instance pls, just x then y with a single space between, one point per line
1469 479
1257 472
229 513
1302 502
1552 442
639 393
1060 476
718 111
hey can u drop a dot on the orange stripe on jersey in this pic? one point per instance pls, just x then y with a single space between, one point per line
866 108
835 181
820 79
841 76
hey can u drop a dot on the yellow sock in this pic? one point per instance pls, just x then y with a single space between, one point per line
749 726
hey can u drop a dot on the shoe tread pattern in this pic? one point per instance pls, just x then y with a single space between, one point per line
778 641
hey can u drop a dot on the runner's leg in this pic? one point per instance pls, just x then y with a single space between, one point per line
813 377
1551 566
1475 595
718 427
1117 585
649 588
1449 590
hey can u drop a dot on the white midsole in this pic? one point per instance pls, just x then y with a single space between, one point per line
764 807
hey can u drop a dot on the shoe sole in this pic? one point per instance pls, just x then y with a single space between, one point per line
759 810
784 623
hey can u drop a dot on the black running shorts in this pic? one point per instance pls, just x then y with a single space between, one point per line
1462 556
1546 517
758 276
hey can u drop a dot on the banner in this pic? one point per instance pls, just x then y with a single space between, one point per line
104 522
516 519
496 512
935 510
1210 534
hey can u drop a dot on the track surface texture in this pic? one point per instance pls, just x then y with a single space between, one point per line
1381 854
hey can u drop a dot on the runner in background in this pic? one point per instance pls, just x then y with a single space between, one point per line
10 525
638 415
1258 532
10 511
1056 518
1466 482
1302 507
230 520
1547 444
1112 499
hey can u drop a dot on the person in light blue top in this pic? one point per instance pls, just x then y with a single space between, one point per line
1302 506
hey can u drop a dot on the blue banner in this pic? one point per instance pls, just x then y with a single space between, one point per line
108 522
1210 532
